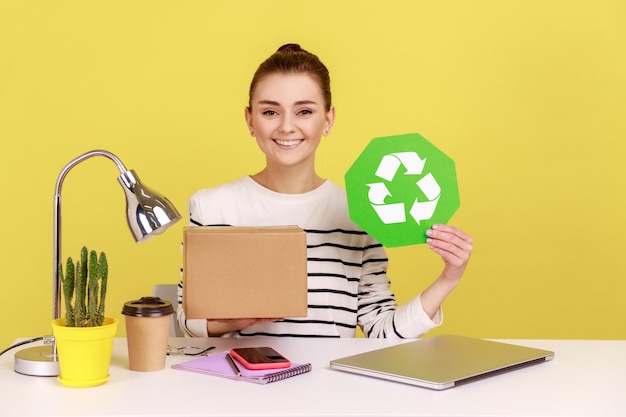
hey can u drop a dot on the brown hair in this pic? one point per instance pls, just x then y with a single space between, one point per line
291 58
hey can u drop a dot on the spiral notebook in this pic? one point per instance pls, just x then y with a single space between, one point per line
218 365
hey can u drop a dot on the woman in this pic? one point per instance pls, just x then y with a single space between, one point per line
289 111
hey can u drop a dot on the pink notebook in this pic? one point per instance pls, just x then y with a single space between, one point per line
218 365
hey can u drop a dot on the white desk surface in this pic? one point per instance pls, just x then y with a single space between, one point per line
586 378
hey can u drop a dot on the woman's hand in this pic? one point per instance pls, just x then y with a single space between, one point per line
217 327
454 247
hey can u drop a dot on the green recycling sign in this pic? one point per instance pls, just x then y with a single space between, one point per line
399 187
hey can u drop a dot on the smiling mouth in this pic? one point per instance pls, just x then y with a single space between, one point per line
288 143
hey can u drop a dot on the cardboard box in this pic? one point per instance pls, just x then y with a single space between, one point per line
244 272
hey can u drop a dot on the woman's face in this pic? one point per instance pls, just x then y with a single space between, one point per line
287 116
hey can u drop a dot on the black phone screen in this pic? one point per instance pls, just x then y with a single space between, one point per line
260 355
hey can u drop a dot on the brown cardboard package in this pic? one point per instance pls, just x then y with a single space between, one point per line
244 272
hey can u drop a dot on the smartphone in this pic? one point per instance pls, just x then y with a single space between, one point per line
260 358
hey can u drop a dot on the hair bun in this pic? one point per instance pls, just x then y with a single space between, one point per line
292 59
290 47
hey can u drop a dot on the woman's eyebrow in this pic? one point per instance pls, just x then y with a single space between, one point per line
269 102
303 102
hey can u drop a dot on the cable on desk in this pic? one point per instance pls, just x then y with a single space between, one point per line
46 340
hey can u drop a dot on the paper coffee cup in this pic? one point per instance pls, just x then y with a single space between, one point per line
147 332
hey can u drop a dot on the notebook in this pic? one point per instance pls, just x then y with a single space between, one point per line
218 365
441 362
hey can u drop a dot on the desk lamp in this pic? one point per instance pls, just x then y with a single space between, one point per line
148 213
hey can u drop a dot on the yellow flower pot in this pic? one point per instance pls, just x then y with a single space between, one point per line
84 352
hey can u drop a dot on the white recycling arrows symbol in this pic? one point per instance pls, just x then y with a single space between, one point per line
395 212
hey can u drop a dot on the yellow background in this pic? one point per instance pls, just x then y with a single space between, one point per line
528 98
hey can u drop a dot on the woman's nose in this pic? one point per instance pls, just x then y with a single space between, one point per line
287 124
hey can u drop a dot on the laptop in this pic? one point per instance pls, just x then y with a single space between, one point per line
441 362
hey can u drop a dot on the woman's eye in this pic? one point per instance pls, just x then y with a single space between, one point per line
305 112
269 113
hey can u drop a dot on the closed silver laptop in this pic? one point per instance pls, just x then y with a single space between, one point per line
441 362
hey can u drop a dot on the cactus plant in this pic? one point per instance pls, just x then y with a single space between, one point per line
85 285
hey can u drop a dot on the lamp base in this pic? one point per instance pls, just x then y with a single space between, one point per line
37 361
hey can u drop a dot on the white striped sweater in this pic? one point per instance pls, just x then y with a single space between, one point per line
347 281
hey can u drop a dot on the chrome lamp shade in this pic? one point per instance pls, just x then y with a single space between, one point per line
148 213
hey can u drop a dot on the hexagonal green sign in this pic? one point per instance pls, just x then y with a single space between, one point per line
399 187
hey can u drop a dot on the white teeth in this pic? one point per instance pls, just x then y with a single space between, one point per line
288 142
